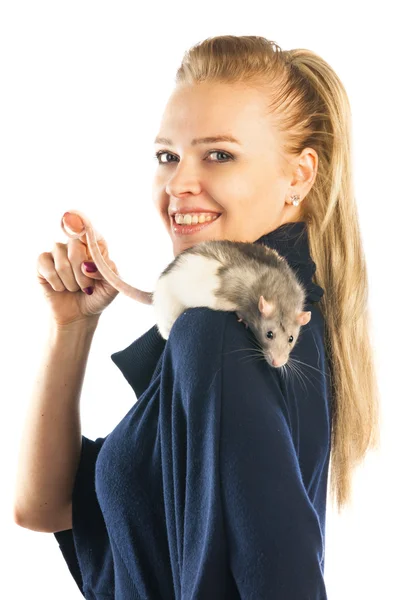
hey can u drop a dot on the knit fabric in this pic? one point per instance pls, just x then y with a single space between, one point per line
213 486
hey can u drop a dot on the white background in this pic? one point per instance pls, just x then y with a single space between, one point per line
83 87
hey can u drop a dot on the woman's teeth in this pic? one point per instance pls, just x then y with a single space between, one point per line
193 219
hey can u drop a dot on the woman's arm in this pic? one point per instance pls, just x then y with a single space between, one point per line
51 439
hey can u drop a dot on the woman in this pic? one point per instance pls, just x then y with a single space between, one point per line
214 485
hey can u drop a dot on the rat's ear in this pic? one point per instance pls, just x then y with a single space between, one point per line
265 308
303 318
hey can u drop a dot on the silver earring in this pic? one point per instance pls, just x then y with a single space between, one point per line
296 199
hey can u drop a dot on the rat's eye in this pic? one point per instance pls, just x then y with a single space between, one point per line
291 338
270 335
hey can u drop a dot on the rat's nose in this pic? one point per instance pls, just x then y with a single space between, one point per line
277 363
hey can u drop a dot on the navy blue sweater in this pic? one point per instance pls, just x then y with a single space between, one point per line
213 486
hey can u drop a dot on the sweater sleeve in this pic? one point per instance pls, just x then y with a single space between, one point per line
85 547
274 536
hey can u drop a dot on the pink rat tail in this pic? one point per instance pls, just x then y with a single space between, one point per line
114 280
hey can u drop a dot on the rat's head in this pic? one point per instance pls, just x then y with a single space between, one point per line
277 332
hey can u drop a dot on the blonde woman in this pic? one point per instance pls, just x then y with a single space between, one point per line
214 484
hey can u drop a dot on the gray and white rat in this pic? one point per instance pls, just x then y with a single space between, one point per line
253 280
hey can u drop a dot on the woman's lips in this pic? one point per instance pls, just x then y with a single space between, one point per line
189 229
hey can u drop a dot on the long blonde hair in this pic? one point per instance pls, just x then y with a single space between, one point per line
311 109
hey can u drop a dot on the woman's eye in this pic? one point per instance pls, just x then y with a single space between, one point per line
159 154
220 152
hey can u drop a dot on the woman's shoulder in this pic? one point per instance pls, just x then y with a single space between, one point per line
210 341
198 324
212 366
204 333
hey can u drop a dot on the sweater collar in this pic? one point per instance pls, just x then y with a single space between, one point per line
291 241
140 361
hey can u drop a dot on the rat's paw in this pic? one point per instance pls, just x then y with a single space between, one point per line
244 322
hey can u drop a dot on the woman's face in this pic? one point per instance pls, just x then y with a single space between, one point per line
243 181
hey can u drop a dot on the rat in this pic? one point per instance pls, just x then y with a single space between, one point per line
252 280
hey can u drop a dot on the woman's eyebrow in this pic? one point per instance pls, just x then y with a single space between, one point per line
204 140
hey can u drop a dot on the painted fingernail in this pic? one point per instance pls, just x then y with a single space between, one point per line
90 267
88 290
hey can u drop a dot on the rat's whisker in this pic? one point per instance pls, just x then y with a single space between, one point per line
301 371
239 350
307 365
254 360
297 372
253 356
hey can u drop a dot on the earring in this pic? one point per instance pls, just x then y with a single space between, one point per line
296 199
